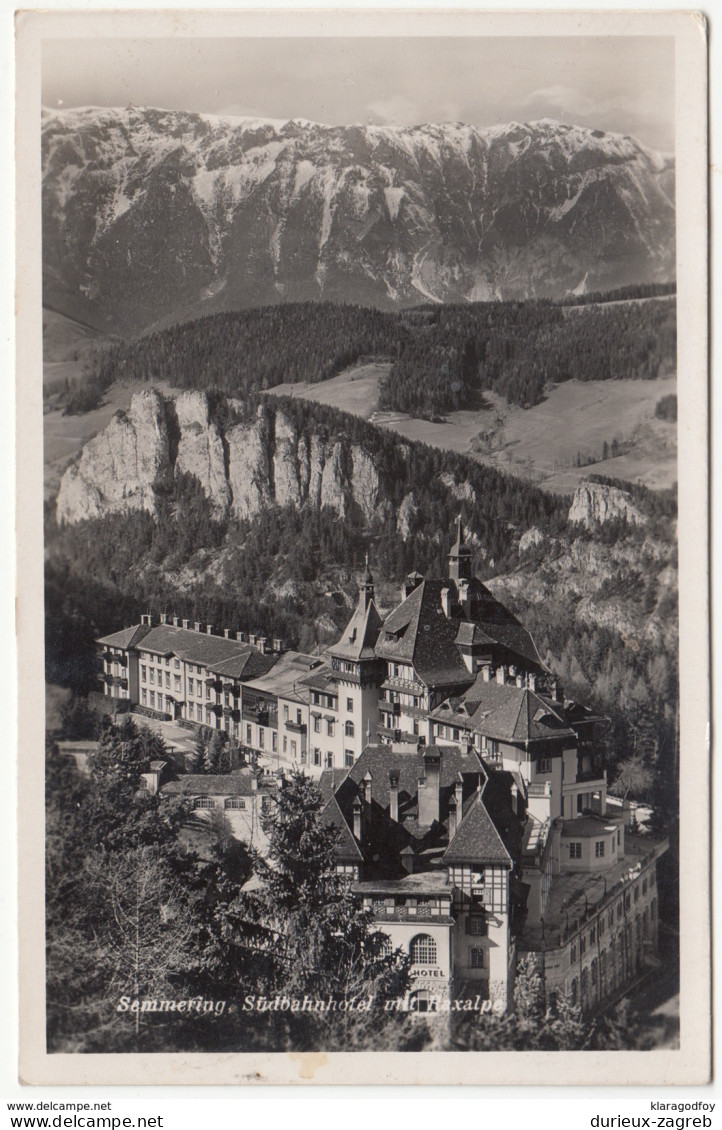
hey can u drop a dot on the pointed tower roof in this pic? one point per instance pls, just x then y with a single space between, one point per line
459 548
361 633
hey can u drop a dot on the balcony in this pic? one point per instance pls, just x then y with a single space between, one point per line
120 681
297 727
231 712
260 717
214 685
232 688
395 683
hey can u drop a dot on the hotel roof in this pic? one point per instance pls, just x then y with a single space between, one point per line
282 678
361 633
506 713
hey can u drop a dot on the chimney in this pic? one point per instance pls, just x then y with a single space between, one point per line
262 641
209 629
531 677
501 676
186 624
241 637
394 795
446 602
252 638
429 787
163 618
176 622
357 818
412 582
459 795
486 673
366 784
453 818
277 644
197 626
226 633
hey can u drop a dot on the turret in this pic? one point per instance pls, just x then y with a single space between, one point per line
459 556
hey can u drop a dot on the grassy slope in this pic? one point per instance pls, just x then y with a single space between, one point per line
537 443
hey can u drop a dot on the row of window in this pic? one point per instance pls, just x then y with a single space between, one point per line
349 728
328 702
605 922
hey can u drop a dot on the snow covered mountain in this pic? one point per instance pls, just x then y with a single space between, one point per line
150 214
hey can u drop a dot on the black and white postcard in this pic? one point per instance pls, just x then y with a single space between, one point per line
362 525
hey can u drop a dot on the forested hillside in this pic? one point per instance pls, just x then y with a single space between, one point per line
601 602
443 357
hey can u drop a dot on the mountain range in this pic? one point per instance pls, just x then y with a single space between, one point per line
153 215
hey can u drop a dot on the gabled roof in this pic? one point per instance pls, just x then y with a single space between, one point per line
361 633
419 633
288 670
330 780
127 637
505 712
346 846
248 664
477 839
193 647
320 679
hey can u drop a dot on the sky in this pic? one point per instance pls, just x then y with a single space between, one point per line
619 84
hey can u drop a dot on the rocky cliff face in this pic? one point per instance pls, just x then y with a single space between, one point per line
253 466
120 469
594 504
147 212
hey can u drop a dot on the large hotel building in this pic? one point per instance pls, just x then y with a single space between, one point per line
469 795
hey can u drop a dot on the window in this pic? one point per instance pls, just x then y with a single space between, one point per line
204 802
151 696
151 675
316 724
592 936
274 741
348 758
144 697
285 713
293 748
476 957
329 760
299 717
261 738
455 735
190 687
476 925
599 848
176 664
349 705
329 728
423 950
285 743
636 893
575 851
573 955
544 765
248 734
167 661
582 946
143 673
177 682
349 730
316 756
235 802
